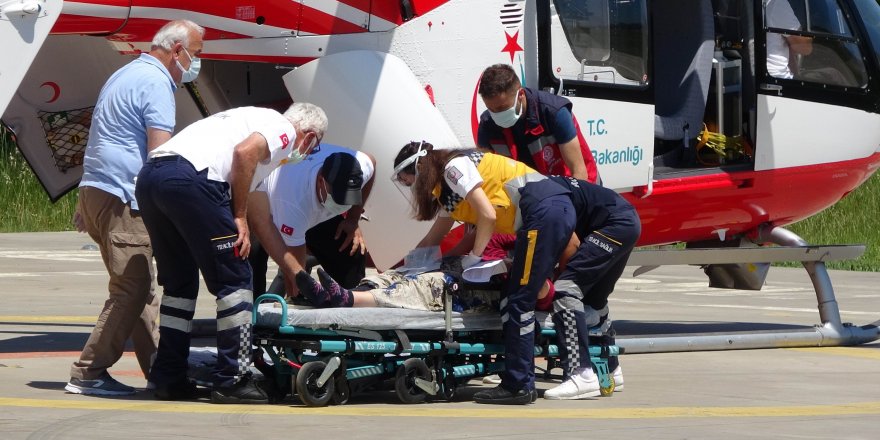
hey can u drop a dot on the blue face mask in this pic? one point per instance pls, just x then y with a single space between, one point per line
296 157
193 71
506 118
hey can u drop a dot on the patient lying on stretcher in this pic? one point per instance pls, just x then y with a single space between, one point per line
421 291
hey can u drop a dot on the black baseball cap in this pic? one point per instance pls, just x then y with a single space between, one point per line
343 172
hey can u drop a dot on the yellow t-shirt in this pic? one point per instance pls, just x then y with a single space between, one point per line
502 178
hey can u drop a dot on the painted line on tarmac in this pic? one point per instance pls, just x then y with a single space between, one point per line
863 408
859 352
39 354
680 304
83 273
45 319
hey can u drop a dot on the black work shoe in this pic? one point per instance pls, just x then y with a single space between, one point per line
246 390
183 390
501 396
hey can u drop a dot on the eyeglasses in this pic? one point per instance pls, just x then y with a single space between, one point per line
317 147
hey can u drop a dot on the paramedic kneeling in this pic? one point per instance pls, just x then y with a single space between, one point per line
184 192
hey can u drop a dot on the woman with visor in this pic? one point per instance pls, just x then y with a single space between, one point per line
496 194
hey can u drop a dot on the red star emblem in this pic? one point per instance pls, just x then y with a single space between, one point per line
512 46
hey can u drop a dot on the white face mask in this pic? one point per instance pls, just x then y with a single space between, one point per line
334 208
330 205
506 118
189 74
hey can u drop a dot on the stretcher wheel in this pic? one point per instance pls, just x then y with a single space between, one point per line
609 390
343 392
307 388
404 384
449 387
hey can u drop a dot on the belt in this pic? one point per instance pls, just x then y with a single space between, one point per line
164 158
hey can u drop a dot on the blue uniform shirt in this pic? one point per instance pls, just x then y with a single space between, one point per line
137 96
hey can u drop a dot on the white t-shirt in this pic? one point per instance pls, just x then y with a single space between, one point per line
209 143
462 176
293 199
779 15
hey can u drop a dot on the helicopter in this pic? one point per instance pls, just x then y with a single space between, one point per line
700 112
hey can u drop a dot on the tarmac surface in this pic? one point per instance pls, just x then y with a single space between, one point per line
52 286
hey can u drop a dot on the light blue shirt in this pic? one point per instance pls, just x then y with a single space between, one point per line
138 96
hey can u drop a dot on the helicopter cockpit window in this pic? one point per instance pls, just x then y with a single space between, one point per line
812 41
600 41
869 13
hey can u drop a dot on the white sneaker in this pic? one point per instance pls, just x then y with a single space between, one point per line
581 385
493 379
618 379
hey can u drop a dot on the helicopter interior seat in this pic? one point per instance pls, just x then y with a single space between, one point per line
684 44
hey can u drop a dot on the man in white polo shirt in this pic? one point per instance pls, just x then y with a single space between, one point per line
314 206
193 194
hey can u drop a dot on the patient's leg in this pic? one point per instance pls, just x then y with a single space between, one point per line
338 296
313 291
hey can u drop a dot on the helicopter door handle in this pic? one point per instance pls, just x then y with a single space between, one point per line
772 88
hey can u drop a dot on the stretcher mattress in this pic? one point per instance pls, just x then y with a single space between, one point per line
377 318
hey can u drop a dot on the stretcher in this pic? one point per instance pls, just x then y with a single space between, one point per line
325 355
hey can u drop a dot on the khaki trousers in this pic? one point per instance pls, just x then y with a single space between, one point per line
132 307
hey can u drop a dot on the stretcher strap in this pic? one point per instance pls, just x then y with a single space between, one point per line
403 342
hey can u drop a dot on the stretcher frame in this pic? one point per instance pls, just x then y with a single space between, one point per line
324 365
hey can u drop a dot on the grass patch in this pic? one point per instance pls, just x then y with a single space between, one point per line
850 221
24 205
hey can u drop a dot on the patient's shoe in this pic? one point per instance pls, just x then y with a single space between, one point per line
501 396
339 296
310 289
618 379
582 384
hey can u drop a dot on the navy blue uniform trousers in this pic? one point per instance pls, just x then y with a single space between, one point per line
587 281
189 219
548 218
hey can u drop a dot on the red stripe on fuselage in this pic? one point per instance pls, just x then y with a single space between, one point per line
258 58
279 13
84 25
694 208
389 11
422 7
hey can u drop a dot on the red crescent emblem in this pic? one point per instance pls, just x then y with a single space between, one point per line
56 91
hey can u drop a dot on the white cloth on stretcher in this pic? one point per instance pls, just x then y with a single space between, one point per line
380 318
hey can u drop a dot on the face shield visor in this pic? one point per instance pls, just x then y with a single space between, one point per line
403 186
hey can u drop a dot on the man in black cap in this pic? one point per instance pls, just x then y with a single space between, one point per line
313 206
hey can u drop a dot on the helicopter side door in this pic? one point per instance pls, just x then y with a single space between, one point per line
595 53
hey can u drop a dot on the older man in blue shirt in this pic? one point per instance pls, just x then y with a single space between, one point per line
135 113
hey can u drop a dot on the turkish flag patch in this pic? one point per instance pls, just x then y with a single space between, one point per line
284 141
287 230
453 174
